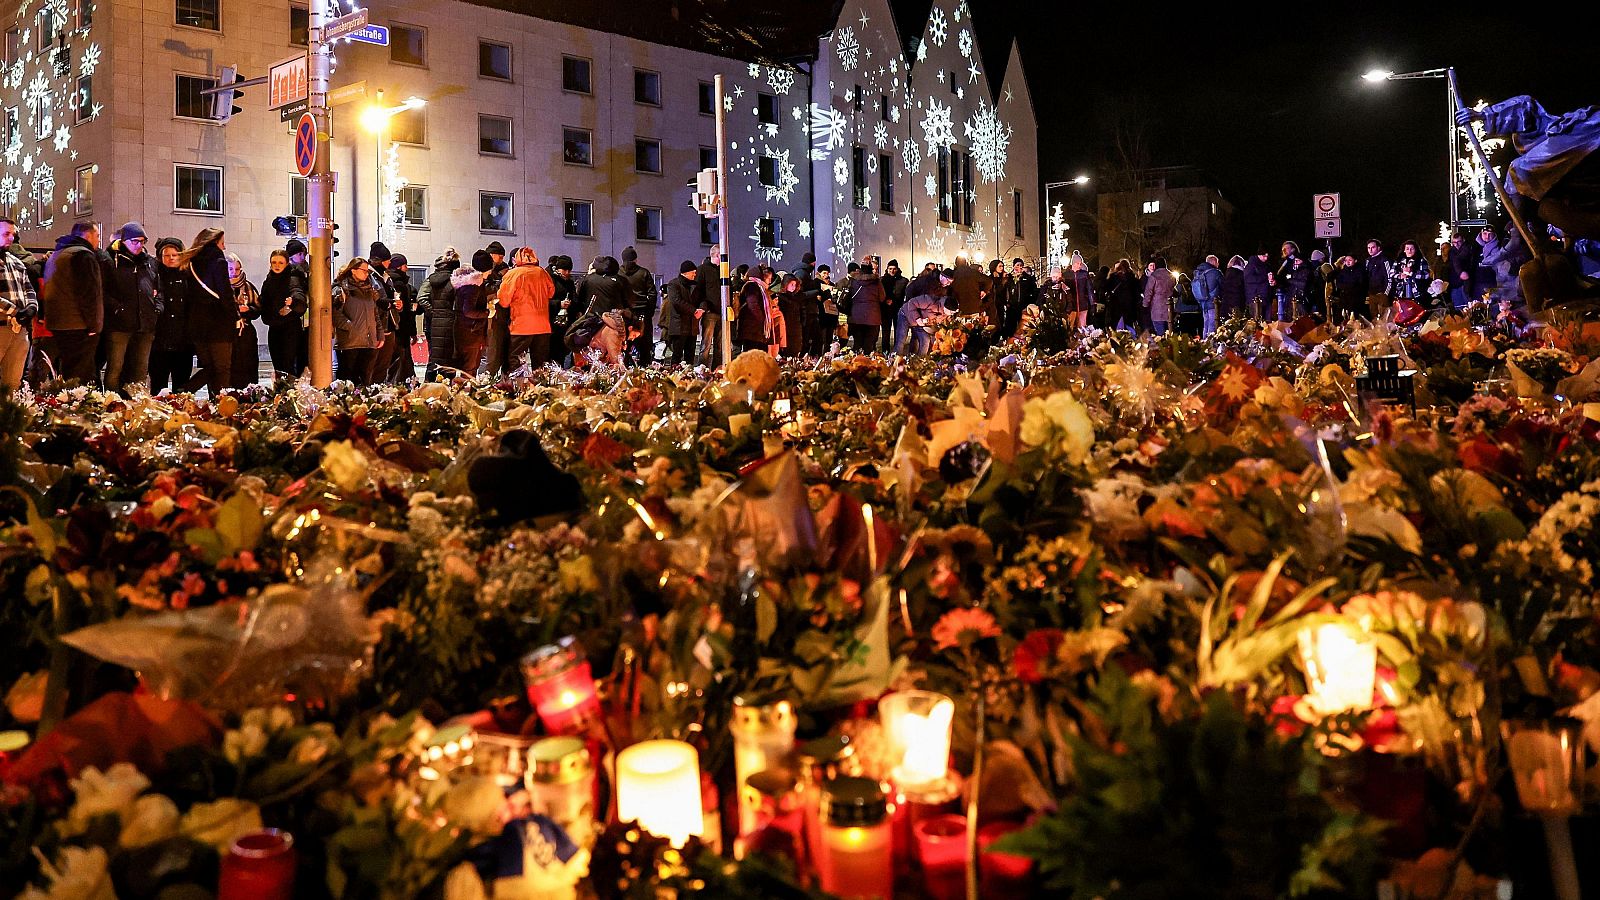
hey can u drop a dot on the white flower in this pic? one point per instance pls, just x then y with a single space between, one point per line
345 466
98 793
309 751
220 823
79 874
271 719
244 742
1058 422
154 817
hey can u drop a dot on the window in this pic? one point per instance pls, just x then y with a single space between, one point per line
200 14
955 87
1016 213
767 109
708 98
767 171
494 60
577 218
197 189
647 223
575 75
577 146
299 26
708 231
769 233
858 177
647 87
708 158
859 98
13 135
43 117
83 104
885 183
494 212
83 12
191 104
13 45
1150 207
414 206
45 26
494 135
409 126
84 185
883 107
299 196
956 187
647 156
408 45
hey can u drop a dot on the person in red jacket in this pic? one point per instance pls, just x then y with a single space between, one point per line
526 290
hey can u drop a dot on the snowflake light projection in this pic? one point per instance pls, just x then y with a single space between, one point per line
911 155
961 10
848 47
63 138
753 70
880 135
784 184
964 43
988 138
894 114
44 189
937 129
780 80
931 185
90 61
10 189
844 239
922 50
828 128
938 28
1058 236
13 155
803 228
767 255
841 171
972 72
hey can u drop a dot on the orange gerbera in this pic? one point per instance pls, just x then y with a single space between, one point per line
964 627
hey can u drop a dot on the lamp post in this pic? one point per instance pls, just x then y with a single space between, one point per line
1448 74
375 120
1050 238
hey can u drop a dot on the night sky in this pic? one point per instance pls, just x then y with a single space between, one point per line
1274 106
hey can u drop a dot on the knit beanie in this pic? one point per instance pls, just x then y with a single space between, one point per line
482 261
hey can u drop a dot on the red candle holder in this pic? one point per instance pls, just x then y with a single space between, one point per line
942 853
1003 875
561 687
259 866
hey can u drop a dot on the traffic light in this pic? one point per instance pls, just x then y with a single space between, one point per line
333 238
284 226
222 108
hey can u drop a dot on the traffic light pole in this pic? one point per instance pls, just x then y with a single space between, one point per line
722 222
319 208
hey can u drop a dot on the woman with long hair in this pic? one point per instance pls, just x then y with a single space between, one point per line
1409 275
355 320
246 364
172 356
755 316
212 310
283 307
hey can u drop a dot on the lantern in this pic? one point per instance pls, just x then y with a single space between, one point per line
658 786
918 725
561 687
1341 668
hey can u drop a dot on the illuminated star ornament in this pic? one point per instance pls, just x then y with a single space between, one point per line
803 228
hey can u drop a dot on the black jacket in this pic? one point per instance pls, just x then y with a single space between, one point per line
406 315
437 301
133 294
603 293
643 286
288 286
1230 293
74 286
1377 271
708 287
681 308
172 326
212 313
1256 285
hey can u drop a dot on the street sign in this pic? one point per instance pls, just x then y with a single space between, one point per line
1325 206
354 91
292 112
1327 229
305 144
372 34
288 82
345 24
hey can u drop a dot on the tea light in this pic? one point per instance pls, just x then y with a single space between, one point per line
658 786
763 736
918 726
447 749
857 859
259 866
1341 668
561 687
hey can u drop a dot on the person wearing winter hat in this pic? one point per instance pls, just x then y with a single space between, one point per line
682 314
436 300
472 312
296 248
402 367
894 285
524 300
499 338
646 298
133 304
379 252
172 354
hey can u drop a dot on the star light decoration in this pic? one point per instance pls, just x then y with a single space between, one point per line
90 60
768 255
844 239
62 139
964 42
828 129
911 155
841 171
780 80
931 185
938 28
784 184
988 139
922 49
972 72
803 228
937 129
880 135
848 47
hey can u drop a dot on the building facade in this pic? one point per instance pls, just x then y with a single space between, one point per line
568 138
1173 212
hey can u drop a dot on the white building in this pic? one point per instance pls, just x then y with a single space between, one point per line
572 131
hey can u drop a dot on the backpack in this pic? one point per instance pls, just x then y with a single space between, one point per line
582 331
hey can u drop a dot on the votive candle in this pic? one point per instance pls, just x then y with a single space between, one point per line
857 858
561 687
942 853
658 786
918 725
1341 668
258 866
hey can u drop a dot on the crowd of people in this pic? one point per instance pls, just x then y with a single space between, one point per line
174 318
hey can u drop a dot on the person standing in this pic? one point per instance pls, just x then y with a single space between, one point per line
172 354
525 294
646 303
754 322
402 367
1207 286
355 320
560 272
683 314
497 325
212 314
1377 269
1231 297
19 303
1158 289
1080 281
708 290
894 286
1056 295
74 301
437 300
472 312
1349 289
1463 262
1409 276
388 323
828 293
1259 293
1291 280
283 308
300 259
133 306
790 302
245 367
1122 297
867 303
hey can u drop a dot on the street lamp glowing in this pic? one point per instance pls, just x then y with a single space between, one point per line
373 119
1376 75
415 103
1081 179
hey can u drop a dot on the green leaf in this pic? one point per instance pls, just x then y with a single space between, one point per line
208 542
239 523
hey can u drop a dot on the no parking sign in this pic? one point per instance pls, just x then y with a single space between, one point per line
305 144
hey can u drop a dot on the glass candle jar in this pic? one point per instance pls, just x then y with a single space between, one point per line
561 687
560 784
258 866
763 736
821 760
658 786
448 749
942 853
857 845
918 726
1341 668
1546 759
779 822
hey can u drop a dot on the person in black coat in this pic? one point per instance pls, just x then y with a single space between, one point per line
561 303
708 299
1377 269
73 303
283 309
404 302
1349 288
683 314
603 289
1124 297
894 286
1258 290
133 304
172 354
437 301
213 317
1231 295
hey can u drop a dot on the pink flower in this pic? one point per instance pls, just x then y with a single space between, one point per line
964 627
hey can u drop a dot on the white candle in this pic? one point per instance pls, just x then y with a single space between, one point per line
658 786
918 724
1341 668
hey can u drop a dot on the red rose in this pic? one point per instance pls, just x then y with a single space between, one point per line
1035 654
